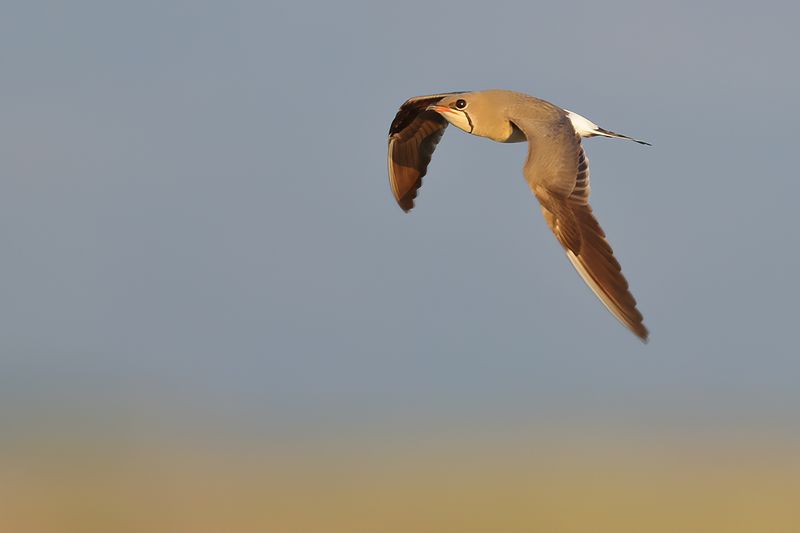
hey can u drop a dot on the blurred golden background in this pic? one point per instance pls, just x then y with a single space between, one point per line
617 483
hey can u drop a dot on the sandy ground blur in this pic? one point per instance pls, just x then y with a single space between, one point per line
384 485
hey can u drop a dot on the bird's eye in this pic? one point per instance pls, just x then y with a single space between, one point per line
461 104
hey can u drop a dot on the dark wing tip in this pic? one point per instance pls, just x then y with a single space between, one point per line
641 331
406 203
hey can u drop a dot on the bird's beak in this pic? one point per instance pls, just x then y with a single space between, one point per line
440 109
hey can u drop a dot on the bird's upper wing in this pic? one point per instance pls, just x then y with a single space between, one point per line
557 171
413 137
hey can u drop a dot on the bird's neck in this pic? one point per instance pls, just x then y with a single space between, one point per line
502 131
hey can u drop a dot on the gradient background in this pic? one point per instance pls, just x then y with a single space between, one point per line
214 316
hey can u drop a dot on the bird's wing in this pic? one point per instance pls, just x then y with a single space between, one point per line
413 137
557 171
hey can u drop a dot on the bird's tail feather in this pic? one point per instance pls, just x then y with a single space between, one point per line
586 128
606 133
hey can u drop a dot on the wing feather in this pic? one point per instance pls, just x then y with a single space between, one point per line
571 219
413 137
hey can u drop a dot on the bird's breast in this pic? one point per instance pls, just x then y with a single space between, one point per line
516 135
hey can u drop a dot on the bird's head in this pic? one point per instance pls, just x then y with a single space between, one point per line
480 113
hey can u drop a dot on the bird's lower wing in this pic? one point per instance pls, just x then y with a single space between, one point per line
573 223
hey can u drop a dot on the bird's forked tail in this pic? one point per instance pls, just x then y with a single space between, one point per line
586 128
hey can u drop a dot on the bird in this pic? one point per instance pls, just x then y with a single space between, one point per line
556 170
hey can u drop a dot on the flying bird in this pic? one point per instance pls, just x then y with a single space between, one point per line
556 169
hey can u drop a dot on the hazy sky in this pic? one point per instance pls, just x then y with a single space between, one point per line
196 217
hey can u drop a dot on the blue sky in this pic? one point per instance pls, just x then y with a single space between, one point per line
196 218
